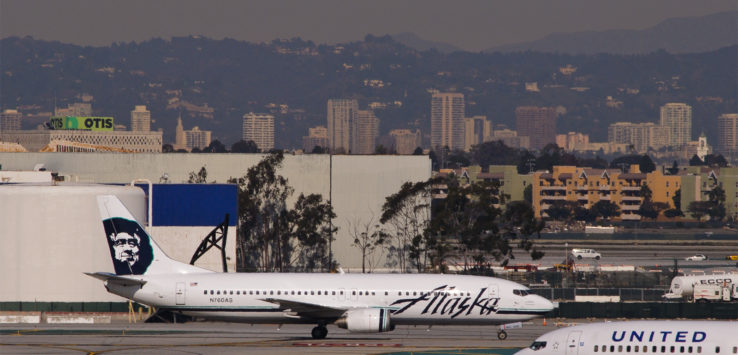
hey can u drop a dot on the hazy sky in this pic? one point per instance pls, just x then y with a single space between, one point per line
471 25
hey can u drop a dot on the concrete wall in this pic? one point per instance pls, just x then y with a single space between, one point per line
360 184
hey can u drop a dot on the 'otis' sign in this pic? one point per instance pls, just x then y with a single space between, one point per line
85 123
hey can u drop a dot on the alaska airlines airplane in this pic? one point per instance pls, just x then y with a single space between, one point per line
359 303
646 337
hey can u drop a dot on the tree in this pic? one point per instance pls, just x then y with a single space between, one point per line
696 161
699 209
318 150
262 213
560 210
648 208
380 150
528 193
605 209
200 177
418 151
368 236
167 148
646 164
407 214
244 147
309 231
716 197
215 147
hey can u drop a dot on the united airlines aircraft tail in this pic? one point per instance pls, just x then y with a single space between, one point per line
132 250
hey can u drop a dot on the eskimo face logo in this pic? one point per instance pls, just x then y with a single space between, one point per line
126 247
129 246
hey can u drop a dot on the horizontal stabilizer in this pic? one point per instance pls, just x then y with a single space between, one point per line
113 278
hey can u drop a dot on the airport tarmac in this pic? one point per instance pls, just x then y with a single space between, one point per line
229 338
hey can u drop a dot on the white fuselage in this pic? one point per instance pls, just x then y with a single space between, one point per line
412 298
649 337
683 286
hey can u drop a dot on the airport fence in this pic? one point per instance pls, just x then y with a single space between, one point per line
641 310
623 294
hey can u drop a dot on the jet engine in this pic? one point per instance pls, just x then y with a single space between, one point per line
366 320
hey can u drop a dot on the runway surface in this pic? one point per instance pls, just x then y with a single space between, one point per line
225 338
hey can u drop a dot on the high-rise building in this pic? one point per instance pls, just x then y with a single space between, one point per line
678 118
140 119
536 123
79 109
317 137
447 121
641 136
180 140
365 130
572 141
477 130
341 115
728 133
10 120
259 127
197 139
405 140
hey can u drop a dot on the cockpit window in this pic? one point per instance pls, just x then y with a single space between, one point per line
521 292
538 345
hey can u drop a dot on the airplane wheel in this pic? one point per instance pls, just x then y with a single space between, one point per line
319 332
502 335
579 257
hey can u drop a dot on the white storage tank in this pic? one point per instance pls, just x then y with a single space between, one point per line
50 235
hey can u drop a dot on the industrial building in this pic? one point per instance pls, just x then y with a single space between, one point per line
52 234
357 185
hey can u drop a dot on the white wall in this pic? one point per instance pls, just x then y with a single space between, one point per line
51 235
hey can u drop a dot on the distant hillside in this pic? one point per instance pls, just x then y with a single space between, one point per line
415 42
676 35
213 83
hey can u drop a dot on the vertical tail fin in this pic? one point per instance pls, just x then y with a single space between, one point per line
132 250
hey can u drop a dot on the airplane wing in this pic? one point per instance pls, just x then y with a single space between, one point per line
113 278
307 310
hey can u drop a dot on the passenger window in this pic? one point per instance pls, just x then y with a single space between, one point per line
663 348
612 348
238 292
218 292
399 293
211 292
271 292
341 292
359 293
279 292
595 349
292 292
353 293
318 293
231 292
699 349
333 293
415 293
252 292
386 293
681 349
627 348
717 350
312 292
299 293
372 293
206 292
671 348
620 348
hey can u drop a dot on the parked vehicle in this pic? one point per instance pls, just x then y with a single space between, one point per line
725 292
585 253
696 257
732 257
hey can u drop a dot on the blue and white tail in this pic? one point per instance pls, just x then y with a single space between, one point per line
132 250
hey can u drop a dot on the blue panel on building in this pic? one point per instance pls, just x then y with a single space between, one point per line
194 204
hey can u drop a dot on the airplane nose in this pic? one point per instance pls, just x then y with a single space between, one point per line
544 304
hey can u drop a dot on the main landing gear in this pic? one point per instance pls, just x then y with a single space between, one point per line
502 335
319 332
